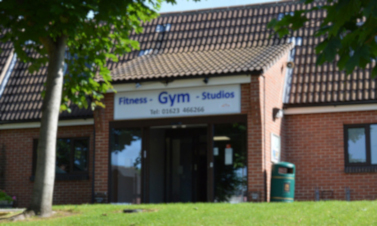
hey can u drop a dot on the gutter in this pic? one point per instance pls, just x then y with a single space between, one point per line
323 104
28 125
330 109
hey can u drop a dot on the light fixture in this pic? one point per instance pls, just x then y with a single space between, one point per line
173 127
290 64
205 80
277 113
221 138
167 81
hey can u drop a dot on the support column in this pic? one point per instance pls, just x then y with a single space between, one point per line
102 117
256 155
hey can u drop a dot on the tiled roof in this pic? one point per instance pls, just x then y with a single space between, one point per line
207 31
211 62
22 100
313 85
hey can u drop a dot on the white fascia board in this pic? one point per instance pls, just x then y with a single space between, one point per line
181 83
29 125
330 109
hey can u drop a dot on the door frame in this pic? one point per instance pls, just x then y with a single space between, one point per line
145 124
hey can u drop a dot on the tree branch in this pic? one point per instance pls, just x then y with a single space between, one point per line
48 43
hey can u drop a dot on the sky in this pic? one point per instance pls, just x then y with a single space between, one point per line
184 5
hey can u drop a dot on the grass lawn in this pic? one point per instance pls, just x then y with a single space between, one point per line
298 213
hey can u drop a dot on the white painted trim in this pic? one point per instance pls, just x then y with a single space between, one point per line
6 66
7 71
29 125
180 83
330 109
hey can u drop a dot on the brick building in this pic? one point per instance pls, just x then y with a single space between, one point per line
197 113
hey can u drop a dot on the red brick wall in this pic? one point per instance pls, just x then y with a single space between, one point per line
255 137
315 144
275 78
265 93
102 117
18 145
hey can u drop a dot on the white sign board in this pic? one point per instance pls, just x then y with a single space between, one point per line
275 148
228 156
191 101
215 151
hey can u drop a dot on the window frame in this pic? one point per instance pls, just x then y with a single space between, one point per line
368 150
72 175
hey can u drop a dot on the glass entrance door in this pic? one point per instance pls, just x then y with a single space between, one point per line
125 165
177 166
192 163
230 158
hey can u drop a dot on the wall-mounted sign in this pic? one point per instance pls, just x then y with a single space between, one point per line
228 156
215 151
275 148
205 100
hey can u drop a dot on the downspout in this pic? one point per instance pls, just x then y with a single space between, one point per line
94 157
264 137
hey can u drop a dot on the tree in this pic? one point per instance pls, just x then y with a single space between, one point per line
349 31
83 35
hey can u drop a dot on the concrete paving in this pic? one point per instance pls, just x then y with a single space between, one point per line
11 210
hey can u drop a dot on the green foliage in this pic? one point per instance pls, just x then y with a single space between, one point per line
91 41
348 31
5 197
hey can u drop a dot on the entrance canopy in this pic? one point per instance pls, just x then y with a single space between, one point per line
200 63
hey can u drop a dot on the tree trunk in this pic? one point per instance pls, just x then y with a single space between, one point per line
46 153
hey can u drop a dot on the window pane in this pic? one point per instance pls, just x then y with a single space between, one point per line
356 145
373 143
81 148
126 165
230 162
63 149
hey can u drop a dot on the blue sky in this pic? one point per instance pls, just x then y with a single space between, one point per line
183 5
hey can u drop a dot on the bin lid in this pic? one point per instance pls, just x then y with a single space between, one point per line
284 164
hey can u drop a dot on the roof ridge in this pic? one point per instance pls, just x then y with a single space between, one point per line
226 8
200 63
253 45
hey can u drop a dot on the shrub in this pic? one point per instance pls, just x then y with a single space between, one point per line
5 197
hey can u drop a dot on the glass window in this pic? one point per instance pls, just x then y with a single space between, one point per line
361 145
80 158
373 143
71 156
356 145
63 155
230 156
126 165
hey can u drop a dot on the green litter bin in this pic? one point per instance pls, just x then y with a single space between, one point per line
283 182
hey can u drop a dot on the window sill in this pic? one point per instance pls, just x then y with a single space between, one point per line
360 169
67 177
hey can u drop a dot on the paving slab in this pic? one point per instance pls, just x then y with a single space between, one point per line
11 210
